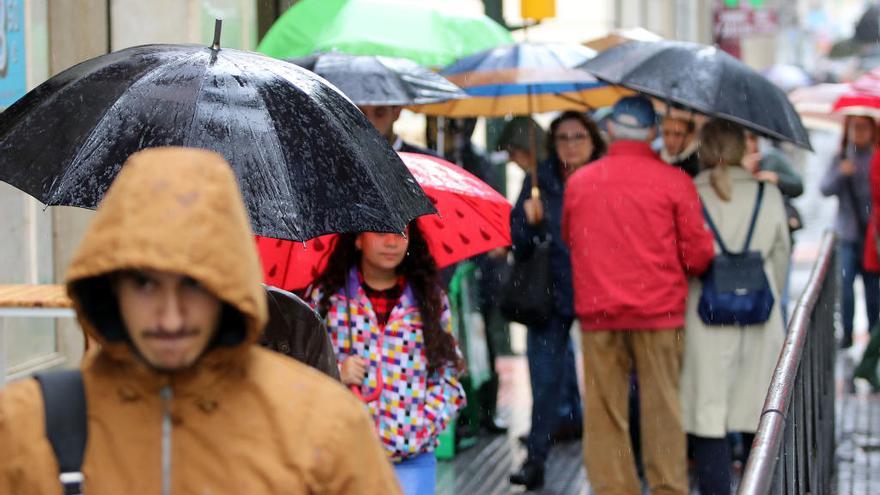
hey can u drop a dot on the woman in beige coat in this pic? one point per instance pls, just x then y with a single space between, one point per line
727 369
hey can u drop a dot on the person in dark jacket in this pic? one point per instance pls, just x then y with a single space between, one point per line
573 141
848 178
460 149
771 165
680 144
295 330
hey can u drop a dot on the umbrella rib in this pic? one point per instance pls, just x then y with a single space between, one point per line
272 135
68 170
398 219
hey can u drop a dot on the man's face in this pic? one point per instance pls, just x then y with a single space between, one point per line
170 318
676 136
382 118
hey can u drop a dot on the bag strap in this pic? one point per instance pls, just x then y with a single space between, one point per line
752 223
64 400
754 219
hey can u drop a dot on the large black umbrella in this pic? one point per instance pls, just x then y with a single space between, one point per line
374 80
308 162
704 79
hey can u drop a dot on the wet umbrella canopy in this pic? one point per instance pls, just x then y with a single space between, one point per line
704 79
373 80
473 219
308 162
433 33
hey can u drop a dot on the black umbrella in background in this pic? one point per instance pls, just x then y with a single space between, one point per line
704 79
308 162
375 80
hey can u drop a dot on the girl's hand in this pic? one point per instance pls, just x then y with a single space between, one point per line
354 369
847 168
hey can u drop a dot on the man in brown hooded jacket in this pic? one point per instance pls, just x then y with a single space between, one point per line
179 398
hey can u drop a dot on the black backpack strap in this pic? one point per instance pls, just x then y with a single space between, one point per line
64 400
754 219
752 222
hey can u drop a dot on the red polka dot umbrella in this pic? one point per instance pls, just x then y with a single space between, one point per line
472 219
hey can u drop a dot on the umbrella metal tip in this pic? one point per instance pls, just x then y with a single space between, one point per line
218 26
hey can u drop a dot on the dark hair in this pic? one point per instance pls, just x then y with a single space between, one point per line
420 271
599 145
844 140
690 125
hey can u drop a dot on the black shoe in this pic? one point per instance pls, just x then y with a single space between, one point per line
530 475
569 431
492 425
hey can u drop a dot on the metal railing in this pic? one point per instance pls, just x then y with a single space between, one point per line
794 447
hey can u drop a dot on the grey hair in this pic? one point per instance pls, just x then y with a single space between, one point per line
624 132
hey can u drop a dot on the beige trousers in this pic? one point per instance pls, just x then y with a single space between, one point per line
609 357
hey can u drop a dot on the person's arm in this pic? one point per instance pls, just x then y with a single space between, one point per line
566 212
319 348
521 233
788 180
874 175
832 181
696 247
780 251
445 394
28 463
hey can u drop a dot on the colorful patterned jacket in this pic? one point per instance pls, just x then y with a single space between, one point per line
413 406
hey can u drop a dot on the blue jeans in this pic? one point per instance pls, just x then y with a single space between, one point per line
850 266
555 395
417 475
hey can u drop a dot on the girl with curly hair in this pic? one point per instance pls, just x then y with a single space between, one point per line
390 324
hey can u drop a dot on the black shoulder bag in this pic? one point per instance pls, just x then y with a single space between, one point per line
527 294
735 288
64 400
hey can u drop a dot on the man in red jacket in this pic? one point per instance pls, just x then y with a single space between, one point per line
636 231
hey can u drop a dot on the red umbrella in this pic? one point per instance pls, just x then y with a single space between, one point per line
815 104
862 97
472 218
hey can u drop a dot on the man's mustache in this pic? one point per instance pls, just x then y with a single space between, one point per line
165 334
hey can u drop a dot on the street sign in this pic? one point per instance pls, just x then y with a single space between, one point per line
744 21
537 9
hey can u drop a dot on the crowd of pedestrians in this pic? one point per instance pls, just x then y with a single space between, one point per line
631 245
633 213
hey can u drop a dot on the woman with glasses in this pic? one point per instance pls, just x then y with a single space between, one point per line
573 141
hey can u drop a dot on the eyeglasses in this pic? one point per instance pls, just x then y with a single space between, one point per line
571 138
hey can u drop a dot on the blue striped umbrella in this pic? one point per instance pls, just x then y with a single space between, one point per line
524 78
